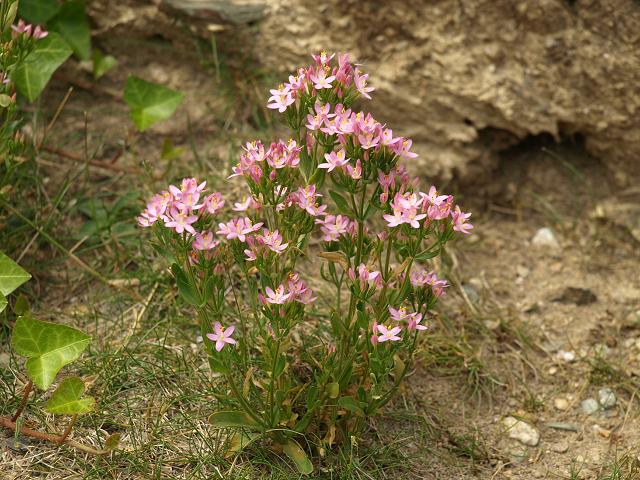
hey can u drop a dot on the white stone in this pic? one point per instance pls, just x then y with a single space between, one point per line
521 431
561 403
566 356
590 406
545 238
606 397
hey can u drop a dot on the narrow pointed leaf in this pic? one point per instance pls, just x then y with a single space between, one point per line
297 456
12 275
72 24
68 399
34 73
149 102
48 347
232 419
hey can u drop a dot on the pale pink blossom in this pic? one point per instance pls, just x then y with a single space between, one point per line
333 226
365 276
388 334
180 221
360 82
273 240
460 223
277 297
320 79
212 203
205 241
221 336
334 160
280 98
238 228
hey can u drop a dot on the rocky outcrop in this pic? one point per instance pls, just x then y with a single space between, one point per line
467 78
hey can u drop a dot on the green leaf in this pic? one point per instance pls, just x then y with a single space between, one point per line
333 389
427 254
10 16
3 302
72 24
312 396
34 73
21 306
232 419
5 100
216 364
341 202
279 366
48 347
240 440
112 442
185 288
351 404
67 398
38 11
11 275
297 456
150 102
102 63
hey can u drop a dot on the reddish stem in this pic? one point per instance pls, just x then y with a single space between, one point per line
23 403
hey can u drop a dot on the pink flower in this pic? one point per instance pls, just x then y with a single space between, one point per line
278 297
323 58
414 322
360 82
221 336
238 228
180 221
460 223
333 227
280 99
400 314
212 203
388 334
305 198
433 198
39 33
423 278
320 79
334 160
405 210
355 173
246 204
365 276
273 240
205 241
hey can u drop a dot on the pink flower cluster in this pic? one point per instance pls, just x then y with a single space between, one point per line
260 244
364 130
422 278
28 31
382 333
365 277
410 207
256 161
294 290
335 226
342 79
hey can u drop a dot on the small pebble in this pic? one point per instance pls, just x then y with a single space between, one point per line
545 238
606 397
521 431
560 447
569 356
561 403
590 406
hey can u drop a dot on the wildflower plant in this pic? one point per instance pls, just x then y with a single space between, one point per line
302 361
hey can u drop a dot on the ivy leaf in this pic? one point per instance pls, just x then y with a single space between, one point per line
102 63
150 102
12 275
48 347
34 73
68 399
298 456
38 11
72 25
233 419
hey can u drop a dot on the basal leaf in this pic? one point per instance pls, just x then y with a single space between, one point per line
38 11
233 419
150 102
72 25
102 63
34 73
12 275
351 404
48 347
240 440
68 399
297 456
